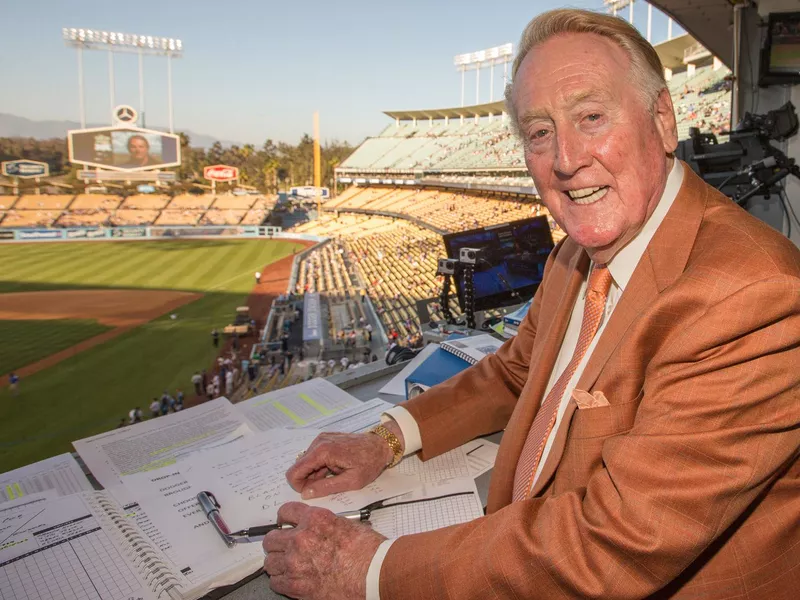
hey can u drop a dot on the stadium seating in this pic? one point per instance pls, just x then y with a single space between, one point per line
95 202
84 217
254 216
231 201
146 201
191 201
7 202
125 216
30 218
178 217
44 202
215 216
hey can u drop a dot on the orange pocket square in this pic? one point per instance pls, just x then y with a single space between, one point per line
586 400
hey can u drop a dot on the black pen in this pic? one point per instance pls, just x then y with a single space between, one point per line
259 530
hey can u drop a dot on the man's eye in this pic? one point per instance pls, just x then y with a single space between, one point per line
539 133
594 117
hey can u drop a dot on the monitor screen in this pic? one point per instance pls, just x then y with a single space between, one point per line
780 55
510 265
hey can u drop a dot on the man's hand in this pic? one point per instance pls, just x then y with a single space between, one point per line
324 556
351 460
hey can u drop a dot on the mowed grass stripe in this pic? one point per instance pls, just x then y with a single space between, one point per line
90 392
25 342
186 263
30 265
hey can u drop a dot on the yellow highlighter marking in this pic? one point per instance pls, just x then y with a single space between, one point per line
10 492
19 491
309 400
288 413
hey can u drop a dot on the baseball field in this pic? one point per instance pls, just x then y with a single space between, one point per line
95 329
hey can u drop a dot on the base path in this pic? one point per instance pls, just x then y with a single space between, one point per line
121 309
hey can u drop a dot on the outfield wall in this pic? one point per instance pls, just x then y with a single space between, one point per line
149 232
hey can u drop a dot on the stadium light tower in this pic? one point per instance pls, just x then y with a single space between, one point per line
615 6
477 60
113 41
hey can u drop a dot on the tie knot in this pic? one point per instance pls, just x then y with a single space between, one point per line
600 280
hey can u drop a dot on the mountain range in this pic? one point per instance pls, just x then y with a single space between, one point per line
14 126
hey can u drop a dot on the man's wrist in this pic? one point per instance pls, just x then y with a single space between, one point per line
392 444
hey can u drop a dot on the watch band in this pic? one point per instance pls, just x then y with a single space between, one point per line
392 440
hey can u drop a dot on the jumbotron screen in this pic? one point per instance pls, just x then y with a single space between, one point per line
510 263
124 149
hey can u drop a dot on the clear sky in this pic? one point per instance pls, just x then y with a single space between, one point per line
258 69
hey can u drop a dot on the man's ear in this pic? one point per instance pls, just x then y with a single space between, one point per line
664 115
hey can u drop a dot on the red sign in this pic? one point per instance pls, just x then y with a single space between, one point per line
221 173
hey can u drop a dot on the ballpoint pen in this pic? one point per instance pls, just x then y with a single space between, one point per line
362 514
211 507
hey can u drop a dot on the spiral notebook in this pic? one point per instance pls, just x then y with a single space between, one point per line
81 547
472 349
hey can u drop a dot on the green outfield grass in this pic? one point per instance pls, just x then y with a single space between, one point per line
90 392
25 342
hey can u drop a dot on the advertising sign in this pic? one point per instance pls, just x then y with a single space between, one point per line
74 234
309 191
127 175
145 189
6 235
129 232
25 169
221 173
124 148
312 320
39 234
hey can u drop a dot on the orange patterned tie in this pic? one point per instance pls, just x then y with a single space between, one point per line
599 284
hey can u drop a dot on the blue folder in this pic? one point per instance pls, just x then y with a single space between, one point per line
438 367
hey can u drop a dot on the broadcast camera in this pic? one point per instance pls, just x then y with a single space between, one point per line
748 164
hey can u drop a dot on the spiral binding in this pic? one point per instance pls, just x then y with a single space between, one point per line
146 559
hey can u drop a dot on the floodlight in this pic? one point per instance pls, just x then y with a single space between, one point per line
93 39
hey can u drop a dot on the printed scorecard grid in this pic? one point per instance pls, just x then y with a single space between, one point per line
449 465
86 567
425 516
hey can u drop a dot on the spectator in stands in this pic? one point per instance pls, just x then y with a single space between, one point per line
674 473
167 401
258 276
228 382
139 153
178 399
155 408
215 338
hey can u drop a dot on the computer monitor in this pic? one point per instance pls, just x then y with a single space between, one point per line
510 265
780 53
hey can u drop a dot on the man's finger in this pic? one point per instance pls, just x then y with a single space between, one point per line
278 540
293 513
349 480
275 564
282 584
314 460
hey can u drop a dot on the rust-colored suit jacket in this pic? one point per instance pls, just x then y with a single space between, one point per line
688 484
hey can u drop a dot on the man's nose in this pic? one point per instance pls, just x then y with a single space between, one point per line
571 152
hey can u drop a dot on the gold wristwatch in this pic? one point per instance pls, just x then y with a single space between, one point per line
392 440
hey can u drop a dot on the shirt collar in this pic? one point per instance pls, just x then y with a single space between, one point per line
624 262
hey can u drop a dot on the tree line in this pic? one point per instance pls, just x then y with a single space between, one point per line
272 167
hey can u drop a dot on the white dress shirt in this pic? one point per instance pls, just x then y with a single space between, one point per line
621 267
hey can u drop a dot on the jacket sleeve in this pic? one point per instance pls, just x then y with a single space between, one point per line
717 425
479 400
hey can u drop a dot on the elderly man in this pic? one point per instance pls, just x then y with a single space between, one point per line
650 401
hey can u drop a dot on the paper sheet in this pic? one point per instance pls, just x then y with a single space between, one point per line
450 465
481 455
160 442
429 510
297 405
397 385
355 419
60 473
167 511
249 479
64 532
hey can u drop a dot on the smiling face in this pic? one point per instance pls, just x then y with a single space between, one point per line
597 154
138 148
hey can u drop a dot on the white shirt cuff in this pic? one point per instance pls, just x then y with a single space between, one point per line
408 426
374 572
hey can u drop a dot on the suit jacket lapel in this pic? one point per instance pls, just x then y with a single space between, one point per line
663 262
557 307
